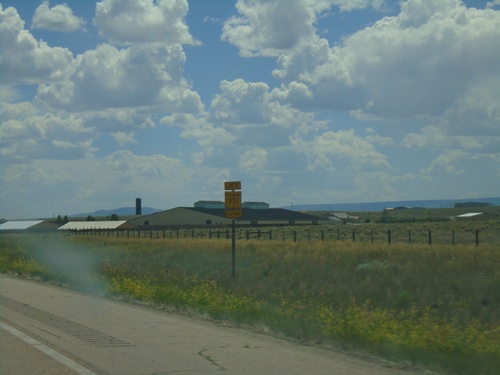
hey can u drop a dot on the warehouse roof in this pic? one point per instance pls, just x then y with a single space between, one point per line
21 224
86 225
278 214
470 214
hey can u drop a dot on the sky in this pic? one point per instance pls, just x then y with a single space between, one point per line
303 101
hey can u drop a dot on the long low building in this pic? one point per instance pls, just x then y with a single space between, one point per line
96 225
475 216
28 225
198 216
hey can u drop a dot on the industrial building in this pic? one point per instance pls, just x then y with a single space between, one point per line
211 213
96 225
28 225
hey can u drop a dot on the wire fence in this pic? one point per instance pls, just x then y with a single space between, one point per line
470 234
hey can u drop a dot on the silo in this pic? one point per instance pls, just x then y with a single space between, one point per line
138 206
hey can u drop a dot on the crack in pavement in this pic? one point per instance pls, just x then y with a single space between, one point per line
210 359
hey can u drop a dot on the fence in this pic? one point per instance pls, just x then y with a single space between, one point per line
374 234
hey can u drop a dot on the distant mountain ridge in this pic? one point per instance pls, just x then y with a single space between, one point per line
124 211
380 206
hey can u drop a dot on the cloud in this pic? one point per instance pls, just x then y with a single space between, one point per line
491 4
438 137
58 18
27 134
418 63
123 138
135 77
448 163
124 22
23 58
250 104
269 28
241 102
476 112
8 94
343 148
254 160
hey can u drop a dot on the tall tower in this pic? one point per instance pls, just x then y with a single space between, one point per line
138 206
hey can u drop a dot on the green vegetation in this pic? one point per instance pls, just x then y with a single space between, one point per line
438 305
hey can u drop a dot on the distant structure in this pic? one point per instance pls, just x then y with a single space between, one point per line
96 225
27 225
472 204
476 216
138 206
209 204
220 204
255 205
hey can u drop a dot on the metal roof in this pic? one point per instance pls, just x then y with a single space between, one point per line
82 225
470 214
270 214
22 224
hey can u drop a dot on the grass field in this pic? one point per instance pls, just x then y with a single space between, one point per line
436 305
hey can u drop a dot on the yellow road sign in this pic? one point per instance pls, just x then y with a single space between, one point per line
233 199
232 185
234 214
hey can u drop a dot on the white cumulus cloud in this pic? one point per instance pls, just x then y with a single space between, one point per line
423 62
270 27
124 22
58 18
23 59
137 76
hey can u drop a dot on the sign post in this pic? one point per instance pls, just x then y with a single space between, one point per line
233 211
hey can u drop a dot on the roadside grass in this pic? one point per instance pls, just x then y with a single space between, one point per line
436 305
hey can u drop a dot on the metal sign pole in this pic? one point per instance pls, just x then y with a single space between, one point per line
233 210
233 249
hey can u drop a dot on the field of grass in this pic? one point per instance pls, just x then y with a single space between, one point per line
435 305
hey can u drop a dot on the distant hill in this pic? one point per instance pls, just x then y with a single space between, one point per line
380 206
124 211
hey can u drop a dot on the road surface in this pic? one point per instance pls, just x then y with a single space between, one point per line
45 329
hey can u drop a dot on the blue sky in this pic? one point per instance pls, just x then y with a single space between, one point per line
304 101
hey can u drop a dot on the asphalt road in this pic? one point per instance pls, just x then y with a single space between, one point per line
52 330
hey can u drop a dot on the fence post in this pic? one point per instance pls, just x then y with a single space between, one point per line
322 235
453 236
353 235
294 236
389 236
477 237
430 237
371 235
270 234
